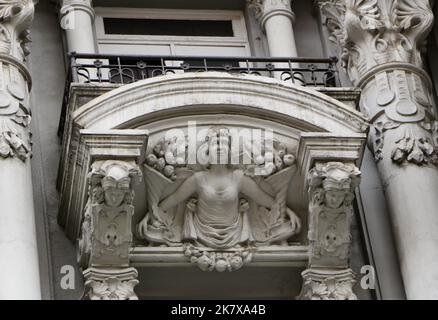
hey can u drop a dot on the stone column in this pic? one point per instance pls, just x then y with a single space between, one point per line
380 44
106 237
19 272
331 192
277 19
77 19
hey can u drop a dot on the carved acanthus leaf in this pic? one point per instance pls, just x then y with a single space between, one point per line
414 146
359 26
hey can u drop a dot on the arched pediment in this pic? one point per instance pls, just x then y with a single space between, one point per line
171 96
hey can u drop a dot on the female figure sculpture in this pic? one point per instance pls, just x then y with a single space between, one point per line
218 215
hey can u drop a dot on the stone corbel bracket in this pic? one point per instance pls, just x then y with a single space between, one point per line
329 163
126 145
325 147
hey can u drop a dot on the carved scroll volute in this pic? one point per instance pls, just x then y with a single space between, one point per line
331 192
106 230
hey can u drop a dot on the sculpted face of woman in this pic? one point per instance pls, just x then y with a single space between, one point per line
219 149
334 198
115 186
114 196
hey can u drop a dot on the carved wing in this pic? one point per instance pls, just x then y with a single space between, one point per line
274 225
279 182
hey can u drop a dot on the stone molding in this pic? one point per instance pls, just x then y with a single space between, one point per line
168 94
79 5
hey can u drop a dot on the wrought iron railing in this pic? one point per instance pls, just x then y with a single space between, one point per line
124 69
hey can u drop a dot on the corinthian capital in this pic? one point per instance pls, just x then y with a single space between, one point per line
381 44
266 9
375 32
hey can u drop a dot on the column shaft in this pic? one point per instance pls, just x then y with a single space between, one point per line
77 18
19 267
19 271
281 38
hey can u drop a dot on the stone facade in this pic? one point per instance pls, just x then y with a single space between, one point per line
312 175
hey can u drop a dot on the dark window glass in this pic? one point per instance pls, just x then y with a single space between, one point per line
164 27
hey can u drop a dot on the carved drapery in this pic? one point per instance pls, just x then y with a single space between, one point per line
15 19
106 237
381 44
331 192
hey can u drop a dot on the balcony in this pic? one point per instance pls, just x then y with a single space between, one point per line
119 108
125 69
95 74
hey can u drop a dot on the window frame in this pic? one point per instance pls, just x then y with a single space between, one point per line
240 38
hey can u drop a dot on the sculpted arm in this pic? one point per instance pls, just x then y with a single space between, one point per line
253 191
182 193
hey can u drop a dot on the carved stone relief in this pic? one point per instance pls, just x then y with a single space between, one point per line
331 192
218 210
381 45
110 284
15 138
106 230
327 285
